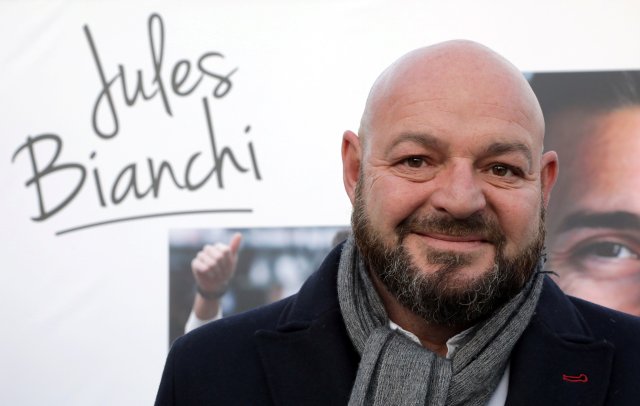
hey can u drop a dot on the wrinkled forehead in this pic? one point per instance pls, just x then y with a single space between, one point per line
617 131
599 150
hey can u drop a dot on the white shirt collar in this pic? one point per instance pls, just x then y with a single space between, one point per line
499 395
452 344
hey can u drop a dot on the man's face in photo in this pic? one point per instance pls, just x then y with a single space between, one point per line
594 216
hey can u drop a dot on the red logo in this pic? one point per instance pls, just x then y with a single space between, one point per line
582 378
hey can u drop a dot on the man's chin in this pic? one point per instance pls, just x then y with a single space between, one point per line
448 288
464 265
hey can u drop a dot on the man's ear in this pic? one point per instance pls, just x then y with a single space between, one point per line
350 163
548 174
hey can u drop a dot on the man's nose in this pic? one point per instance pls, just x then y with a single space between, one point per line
458 190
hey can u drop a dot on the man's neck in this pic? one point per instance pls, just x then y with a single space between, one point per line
432 336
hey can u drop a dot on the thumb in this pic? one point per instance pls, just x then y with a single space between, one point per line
234 245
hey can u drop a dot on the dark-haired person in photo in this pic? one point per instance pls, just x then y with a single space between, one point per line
439 296
593 221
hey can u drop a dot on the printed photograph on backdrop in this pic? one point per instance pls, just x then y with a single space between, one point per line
238 269
593 219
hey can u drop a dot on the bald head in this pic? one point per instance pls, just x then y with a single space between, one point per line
454 100
456 72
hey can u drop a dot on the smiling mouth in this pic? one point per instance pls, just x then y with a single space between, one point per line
453 242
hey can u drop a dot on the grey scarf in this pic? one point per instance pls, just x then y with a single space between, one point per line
394 370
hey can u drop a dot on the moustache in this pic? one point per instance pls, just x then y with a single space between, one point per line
477 225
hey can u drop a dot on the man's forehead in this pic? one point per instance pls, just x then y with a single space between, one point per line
449 75
492 146
617 127
600 146
450 123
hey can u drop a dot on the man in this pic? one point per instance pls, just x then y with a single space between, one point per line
438 298
593 121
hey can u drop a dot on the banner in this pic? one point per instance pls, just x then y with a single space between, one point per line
127 124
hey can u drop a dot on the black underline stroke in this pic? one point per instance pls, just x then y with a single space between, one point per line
154 215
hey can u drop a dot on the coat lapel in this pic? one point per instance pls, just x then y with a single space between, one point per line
557 361
309 366
308 359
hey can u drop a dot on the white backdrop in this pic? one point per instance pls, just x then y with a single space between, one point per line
84 305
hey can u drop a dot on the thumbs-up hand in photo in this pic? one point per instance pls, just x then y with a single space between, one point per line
214 266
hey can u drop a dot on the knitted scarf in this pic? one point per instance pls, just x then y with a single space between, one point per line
395 370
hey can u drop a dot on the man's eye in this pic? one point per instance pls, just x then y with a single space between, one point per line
607 249
501 170
414 162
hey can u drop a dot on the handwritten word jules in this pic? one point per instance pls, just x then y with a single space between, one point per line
44 150
179 77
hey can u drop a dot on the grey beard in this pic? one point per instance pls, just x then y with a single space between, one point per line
442 297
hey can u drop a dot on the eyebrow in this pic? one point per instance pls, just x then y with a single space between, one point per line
429 141
426 140
500 148
620 220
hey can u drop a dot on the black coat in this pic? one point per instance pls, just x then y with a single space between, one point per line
297 352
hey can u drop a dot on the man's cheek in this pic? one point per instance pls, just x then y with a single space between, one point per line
569 278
